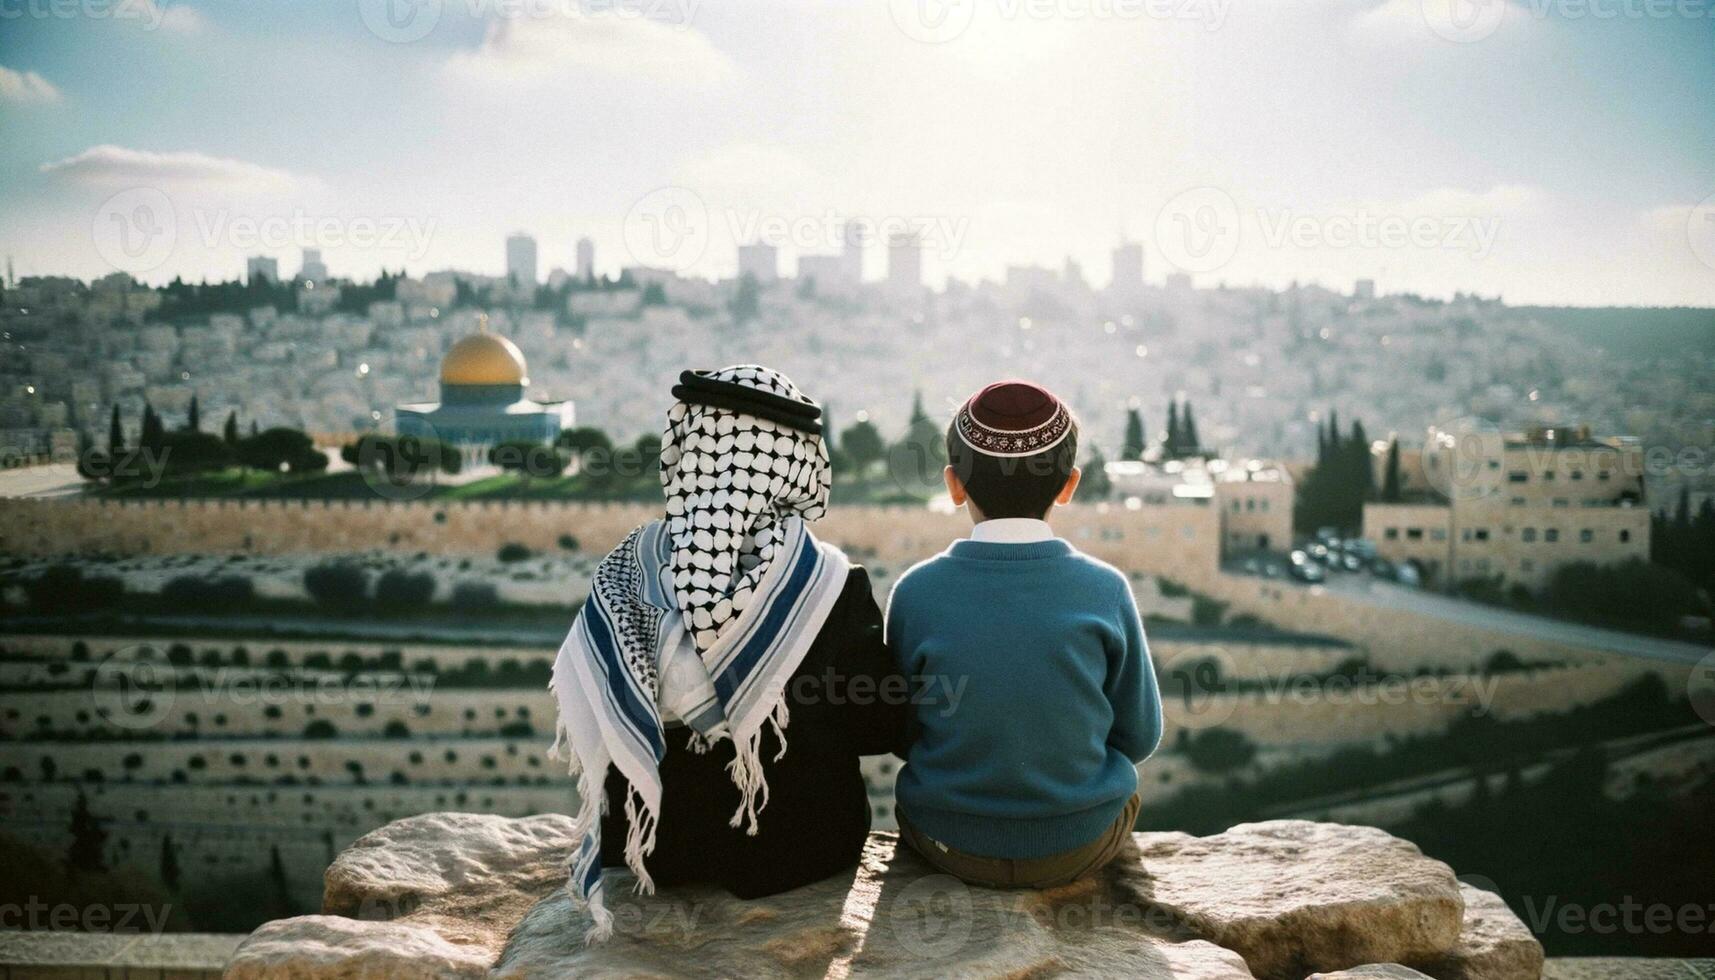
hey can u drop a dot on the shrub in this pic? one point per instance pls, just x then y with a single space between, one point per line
320 728
512 551
1218 750
338 585
208 594
475 595
401 589
65 588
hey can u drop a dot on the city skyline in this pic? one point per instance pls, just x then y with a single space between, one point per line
1324 143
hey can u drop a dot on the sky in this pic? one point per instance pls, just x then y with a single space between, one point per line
1546 151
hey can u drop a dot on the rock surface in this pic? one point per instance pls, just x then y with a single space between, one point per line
1293 897
1374 971
1494 944
468 895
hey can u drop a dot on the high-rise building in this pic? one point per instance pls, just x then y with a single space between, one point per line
586 259
521 259
1364 289
261 266
313 268
852 235
1128 269
905 262
759 261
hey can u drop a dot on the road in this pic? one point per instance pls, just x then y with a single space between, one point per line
1367 588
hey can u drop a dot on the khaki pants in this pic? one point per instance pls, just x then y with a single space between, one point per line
1042 872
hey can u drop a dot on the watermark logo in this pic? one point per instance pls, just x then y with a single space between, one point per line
1194 688
933 916
1464 21
1198 230
1700 231
668 228
1700 688
135 230
406 464
131 690
932 21
400 21
1464 461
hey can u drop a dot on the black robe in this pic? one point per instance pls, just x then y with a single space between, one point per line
846 700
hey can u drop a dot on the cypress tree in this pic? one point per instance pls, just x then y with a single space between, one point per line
169 864
88 840
1134 435
115 435
230 435
1363 478
1188 433
193 418
1172 430
1390 477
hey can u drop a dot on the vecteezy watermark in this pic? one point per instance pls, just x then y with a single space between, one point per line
832 229
1363 228
118 918
138 229
932 917
1700 231
668 228
1700 688
405 21
938 692
1463 460
1466 21
1201 230
135 230
1628 916
940 21
133 689
403 458
1194 689
150 13
1198 230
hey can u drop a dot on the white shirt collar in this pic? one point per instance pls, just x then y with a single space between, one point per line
1012 530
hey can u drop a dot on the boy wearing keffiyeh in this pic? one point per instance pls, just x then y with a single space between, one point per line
708 636
1032 781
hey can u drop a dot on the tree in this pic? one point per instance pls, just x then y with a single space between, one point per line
230 434
153 431
115 435
1189 442
169 864
1135 442
917 460
88 840
746 300
193 418
1095 483
1171 449
863 445
1390 477
528 459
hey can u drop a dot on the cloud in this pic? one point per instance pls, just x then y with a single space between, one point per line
26 88
1429 24
167 16
565 42
116 166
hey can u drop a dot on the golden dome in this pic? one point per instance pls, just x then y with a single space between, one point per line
484 359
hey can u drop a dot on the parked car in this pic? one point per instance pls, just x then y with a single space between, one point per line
1308 572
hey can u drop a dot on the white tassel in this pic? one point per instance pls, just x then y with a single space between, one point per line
778 718
592 802
640 824
601 920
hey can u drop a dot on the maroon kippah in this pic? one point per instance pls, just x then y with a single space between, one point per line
1013 418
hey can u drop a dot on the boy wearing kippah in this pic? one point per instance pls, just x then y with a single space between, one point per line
1030 780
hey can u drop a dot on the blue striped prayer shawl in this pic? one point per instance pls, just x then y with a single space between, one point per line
607 681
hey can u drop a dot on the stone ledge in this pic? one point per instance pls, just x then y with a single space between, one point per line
467 894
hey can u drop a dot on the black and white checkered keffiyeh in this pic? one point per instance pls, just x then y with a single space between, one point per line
730 479
701 617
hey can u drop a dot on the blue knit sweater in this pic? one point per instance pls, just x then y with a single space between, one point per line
1035 696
